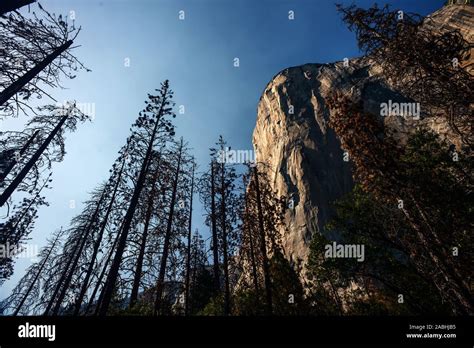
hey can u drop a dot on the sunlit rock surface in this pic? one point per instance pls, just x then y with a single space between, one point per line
306 162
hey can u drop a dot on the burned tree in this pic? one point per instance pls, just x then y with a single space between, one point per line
79 234
218 193
201 285
428 66
150 130
116 181
35 53
207 194
262 216
32 153
189 245
177 219
25 295
145 260
12 5
19 226
67 120
414 177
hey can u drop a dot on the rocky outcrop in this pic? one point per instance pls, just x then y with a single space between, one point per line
305 160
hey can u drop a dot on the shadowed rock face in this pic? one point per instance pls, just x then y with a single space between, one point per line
306 162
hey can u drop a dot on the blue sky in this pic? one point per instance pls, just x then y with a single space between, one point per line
196 55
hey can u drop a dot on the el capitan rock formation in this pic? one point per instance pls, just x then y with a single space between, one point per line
305 158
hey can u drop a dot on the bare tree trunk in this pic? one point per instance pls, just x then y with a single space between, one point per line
138 270
98 242
195 266
19 178
215 240
114 269
252 258
69 271
21 152
188 256
36 276
224 244
27 209
166 244
60 281
16 86
12 5
263 249
460 296
101 276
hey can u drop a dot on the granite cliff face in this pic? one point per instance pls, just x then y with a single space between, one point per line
306 162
